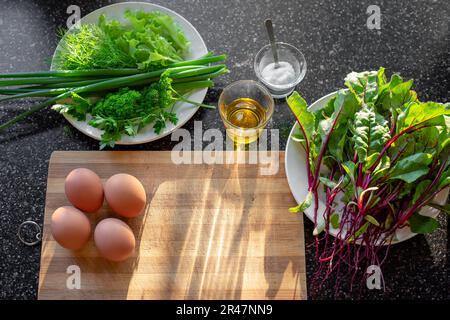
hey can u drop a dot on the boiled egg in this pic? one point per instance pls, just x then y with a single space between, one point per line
84 189
70 227
125 194
114 239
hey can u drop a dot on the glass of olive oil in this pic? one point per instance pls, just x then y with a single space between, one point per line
245 107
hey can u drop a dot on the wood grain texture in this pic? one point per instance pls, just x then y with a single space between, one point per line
219 231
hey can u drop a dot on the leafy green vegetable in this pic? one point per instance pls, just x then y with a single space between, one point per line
375 134
396 95
422 224
94 59
128 111
428 113
349 167
386 155
147 41
304 205
420 189
444 181
305 118
371 132
337 142
78 109
359 232
89 47
372 220
364 84
411 168
327 182
334 220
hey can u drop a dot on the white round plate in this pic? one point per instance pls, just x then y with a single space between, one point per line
298 182
184 111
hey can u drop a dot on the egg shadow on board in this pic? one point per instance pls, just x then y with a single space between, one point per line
137 224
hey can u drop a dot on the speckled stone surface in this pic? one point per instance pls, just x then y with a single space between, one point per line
414 40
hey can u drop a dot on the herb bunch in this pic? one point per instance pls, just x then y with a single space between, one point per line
147 41
127 111
133 86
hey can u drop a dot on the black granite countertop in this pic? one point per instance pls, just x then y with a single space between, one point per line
414 40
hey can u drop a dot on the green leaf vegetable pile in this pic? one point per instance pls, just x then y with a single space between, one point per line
118 76
147 40
127 111
380 155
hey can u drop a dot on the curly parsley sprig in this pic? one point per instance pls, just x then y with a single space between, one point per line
127 111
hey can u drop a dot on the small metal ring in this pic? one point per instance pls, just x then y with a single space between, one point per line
38 234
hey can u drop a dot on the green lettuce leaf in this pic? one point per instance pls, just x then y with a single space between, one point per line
304 205
334 221
364 84
371 133
444 181
337 141
396 95
345 105
420 188
417 113
350 168
327 182
304 117
422 224
372 220
412 167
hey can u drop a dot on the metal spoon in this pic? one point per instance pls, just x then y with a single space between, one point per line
269 28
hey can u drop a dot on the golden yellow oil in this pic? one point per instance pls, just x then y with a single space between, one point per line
246 115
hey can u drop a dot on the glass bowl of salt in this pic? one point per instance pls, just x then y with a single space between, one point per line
282 78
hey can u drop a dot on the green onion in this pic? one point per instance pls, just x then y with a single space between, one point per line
35 80
193 85
25 114
110 72
61 84
37 93
72 73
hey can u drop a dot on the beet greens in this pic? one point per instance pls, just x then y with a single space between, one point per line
381 155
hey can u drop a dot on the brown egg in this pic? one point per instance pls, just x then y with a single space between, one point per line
114 239
84 189
125 195
70 227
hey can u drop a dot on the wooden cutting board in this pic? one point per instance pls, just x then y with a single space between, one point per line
219 231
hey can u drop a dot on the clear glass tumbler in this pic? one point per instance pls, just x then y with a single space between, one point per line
245 107
286 53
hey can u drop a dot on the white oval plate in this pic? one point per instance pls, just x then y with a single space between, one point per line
184 111
298 182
